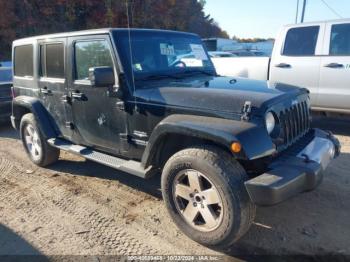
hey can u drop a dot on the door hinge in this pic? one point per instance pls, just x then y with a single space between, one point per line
246 110
120 105
66 99
70 125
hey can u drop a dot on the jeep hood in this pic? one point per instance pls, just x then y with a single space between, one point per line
215 94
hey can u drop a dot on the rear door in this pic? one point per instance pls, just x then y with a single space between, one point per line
53 83
296 57
334 91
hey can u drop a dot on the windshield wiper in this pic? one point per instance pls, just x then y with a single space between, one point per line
193 72
157 77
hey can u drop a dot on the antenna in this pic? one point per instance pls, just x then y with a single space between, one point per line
130 50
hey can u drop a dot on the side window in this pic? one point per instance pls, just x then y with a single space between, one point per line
23 61
89 54
340 40
52 60
301 41
55 60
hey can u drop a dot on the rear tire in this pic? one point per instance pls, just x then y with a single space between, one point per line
217 219
35 145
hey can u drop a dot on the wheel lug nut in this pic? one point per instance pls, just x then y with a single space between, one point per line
191 195
194 204
203 197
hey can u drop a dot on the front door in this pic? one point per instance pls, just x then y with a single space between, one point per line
53 83
97 120
296 61
334 91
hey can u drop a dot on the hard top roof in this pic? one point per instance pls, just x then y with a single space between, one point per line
91 32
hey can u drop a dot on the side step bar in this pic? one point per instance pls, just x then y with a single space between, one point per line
128 166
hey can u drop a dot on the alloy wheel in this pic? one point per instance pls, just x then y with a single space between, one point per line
197 200
32 142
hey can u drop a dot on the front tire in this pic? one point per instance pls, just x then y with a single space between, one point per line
35 145
203 188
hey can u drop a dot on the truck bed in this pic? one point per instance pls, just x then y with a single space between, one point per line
249 67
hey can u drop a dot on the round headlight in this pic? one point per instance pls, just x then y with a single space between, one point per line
270 122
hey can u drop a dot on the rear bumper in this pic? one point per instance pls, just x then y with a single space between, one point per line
295 172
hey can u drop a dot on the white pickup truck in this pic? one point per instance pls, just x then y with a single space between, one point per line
312 55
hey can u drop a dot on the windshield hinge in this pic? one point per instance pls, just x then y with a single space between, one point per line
246 110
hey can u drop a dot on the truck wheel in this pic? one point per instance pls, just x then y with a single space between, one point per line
36 146
203 188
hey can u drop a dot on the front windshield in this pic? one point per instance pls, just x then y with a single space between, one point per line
157 53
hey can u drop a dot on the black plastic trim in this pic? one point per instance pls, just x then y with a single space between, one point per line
288 175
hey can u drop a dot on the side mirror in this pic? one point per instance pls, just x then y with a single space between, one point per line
101 76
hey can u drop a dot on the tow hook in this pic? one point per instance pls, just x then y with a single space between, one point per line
306 158
335 142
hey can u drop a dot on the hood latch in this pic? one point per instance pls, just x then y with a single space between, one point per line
246 110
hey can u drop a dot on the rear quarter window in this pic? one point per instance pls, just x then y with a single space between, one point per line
23 61
301 41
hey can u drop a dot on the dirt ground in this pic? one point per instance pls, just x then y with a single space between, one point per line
81 208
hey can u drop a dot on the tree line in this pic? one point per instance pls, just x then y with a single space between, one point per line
22 18
252 40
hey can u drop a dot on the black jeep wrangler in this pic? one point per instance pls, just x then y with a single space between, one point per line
150 101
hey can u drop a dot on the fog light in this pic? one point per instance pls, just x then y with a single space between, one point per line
236 147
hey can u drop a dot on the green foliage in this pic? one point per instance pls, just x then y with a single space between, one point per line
33 17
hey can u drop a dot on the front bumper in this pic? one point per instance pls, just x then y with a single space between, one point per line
295 171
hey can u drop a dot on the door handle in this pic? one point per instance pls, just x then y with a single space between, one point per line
45 91
334 65
283 65
77 96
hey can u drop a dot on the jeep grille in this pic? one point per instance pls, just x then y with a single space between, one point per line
294 124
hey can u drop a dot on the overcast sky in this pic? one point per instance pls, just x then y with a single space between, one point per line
263 18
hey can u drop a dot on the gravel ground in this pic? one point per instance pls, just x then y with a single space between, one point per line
81 208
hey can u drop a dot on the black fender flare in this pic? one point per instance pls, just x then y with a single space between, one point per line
255 141
46 123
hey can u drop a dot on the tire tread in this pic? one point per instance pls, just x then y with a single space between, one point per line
50 154
234 174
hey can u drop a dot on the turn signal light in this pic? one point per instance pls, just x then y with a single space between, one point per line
236 147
